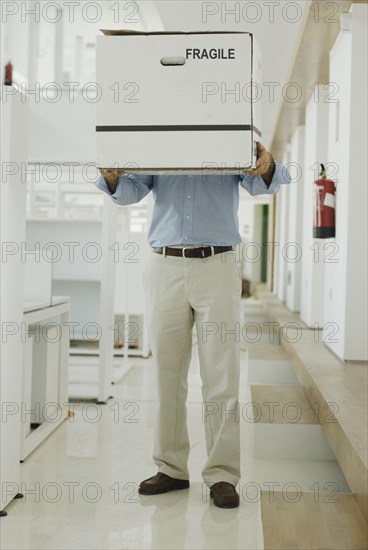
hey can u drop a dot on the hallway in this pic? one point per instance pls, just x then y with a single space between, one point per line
81 485
160 157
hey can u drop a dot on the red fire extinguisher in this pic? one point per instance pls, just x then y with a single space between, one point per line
324 207
8 79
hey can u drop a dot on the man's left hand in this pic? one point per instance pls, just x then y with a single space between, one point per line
265 164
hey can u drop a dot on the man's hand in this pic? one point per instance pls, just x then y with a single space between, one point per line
265 165
111 176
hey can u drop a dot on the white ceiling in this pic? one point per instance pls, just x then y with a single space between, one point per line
278 38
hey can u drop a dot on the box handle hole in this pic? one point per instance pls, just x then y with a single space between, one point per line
172 61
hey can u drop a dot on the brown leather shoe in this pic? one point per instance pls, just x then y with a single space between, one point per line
161 483
224 495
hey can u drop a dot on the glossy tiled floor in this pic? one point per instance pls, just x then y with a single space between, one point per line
80 486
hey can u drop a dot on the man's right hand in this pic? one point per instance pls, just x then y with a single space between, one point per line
111 176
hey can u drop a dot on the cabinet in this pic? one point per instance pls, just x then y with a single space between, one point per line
45 372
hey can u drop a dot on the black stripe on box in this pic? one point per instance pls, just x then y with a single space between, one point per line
181 128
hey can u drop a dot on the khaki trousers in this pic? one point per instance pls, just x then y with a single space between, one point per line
178 293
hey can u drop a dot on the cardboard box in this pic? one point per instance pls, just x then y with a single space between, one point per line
174 102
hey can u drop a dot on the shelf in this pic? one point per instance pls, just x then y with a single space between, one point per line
131 353
89 351
76 279
83 378
36 305
85 350
130 314
73 220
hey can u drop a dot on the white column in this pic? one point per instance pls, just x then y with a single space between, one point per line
271 236
293 249
13 226
78 58
59 46
316 152
107 301
276 252
346 279
33 43
258 230
357 251
282 232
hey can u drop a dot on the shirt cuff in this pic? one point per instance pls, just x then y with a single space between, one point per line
281 176
102 186
131 188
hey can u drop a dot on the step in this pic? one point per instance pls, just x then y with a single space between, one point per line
289 405
268 364
271 372
284 424
308 475
259 332
253 315
277 310
293 441
312 521
338 390
257 352
252 305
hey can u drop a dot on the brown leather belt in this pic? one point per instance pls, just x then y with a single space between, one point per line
189 252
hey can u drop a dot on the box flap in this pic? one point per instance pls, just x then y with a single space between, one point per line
127 32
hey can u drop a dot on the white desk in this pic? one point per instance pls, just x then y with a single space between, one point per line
45 371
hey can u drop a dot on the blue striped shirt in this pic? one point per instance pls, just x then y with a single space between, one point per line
193 209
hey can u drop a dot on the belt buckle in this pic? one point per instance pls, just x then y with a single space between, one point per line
182 250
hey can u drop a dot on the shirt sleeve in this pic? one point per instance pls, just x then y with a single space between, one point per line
131 188
255 185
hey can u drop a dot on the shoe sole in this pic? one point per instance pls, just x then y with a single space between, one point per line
180 484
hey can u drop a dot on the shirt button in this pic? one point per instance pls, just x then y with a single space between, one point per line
185 237
188 217
188 197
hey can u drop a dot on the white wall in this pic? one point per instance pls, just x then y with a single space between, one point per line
316 146
294 251
62 131
357 252
346 280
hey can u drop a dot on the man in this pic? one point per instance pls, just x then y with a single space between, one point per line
193 276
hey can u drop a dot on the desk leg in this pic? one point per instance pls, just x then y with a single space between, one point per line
64 360
26 403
